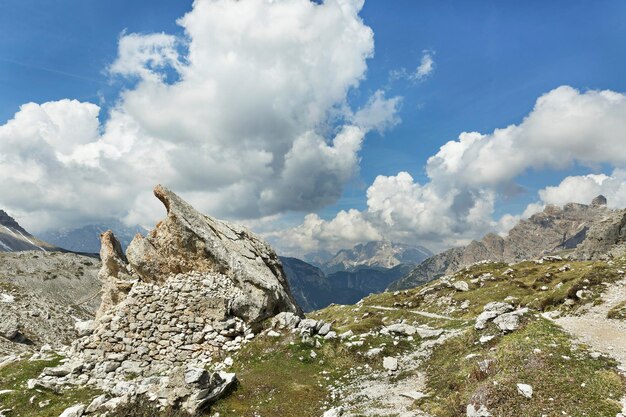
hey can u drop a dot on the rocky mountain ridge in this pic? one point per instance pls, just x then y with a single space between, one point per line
313 289
375 254
580 231
86 239
14 238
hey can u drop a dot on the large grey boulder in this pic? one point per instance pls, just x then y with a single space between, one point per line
10 327
187 241
402 329
208 389
491 311
509 322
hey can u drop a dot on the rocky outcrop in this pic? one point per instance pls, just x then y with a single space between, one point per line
187 240
599 201
587 231
114 275
605 238
190 291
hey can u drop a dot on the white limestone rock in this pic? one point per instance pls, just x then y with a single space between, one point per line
84 328
285 320
389 363
402 329
491 311
74 411
525 390
10 327
481 411
333 412
509 322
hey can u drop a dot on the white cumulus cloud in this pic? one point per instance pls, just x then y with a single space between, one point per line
466 176
583 188
424 70
426 66
246 115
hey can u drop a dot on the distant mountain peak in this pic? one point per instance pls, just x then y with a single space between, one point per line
86 238
378 253
599 201
14 238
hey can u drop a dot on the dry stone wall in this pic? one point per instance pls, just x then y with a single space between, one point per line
157 327
176 304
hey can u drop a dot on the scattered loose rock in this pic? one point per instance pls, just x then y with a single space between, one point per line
491 311
74 411
334 412
509 322
389 363
402 329
480 412
525 390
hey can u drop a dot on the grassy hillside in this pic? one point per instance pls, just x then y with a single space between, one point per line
278 375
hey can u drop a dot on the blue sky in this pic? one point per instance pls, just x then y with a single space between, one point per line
492 61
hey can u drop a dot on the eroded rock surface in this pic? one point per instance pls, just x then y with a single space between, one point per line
187 240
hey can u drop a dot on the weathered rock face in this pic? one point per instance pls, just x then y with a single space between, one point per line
116 280
605 238
190 276
591 230
188 241
599 201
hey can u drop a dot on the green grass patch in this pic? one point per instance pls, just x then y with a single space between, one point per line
278 376
618 312
26 403
565 380
539 286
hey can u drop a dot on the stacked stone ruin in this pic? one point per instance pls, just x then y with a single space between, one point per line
181 299
161 326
